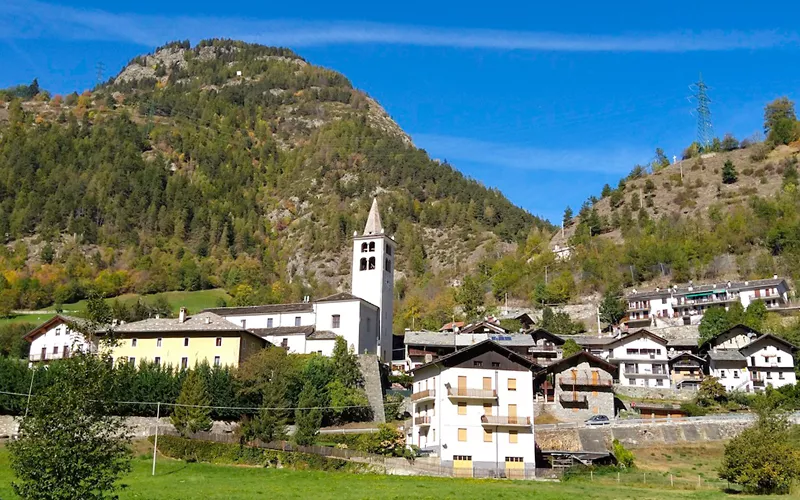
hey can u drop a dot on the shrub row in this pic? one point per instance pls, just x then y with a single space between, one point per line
193 450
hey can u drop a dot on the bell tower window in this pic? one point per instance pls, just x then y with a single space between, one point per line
371 246
371 263
363 265
364 247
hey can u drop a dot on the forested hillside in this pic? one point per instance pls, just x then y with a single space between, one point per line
226 164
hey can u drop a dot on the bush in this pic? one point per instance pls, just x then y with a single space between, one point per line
693 409
194 450
623 455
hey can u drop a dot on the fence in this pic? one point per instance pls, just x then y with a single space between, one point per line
661 480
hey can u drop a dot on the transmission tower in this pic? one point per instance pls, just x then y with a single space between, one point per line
101 68
705 130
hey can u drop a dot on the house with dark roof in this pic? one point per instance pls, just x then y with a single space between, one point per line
744 359
576 388
641 357
686 370
473 409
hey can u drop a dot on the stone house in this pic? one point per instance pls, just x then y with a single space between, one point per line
576 388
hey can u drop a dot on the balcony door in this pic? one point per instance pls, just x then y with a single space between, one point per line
462 384
487 383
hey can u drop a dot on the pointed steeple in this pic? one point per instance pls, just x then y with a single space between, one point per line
374 225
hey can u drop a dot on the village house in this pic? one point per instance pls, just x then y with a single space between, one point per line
743 359
687 304
576 388
473 409
686 370
59 337
642 359
185 341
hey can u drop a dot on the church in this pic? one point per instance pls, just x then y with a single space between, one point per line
362 317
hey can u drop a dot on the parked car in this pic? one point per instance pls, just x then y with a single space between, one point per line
598 420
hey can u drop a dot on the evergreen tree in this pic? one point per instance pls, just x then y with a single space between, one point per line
191 415
570 348
270 423
567 218
714 322
729 175
345 364
470 295
307 417
613 307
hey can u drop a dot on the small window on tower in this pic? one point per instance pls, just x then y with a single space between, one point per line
387 265
371 246
371 263
364 247
363 266
388 249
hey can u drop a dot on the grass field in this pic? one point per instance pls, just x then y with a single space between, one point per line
194 301
181 480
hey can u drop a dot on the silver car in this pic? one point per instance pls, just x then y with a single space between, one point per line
598 420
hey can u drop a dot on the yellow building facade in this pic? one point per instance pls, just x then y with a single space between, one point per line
185 341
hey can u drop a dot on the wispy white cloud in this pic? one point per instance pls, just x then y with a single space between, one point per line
607 160
33 19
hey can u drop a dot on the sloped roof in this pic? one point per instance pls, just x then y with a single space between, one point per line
202 322
589 340
576 359
283 330
477 349
322 335
451 325
339 296
685 355
744 329
56 320
483 324
373 225
769 336
262 309
726 355
541 333
683 290
639 333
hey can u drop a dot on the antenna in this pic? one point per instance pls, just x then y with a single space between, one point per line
705 130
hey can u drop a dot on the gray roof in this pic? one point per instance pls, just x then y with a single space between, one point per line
589 340
338 296
283 330
373 225
322 335
262 309
683 290
202 322
446 339
726 355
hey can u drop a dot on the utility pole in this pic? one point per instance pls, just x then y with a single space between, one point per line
705 130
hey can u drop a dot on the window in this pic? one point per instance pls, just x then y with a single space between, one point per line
487 409
495 364
462 435
632 351
133 342
462 408
285 343
371 263
388 249
297 321
364 247
487 383
780 375
218 342
157 360
778 359
362 265
735 373
631 381
752 361
660 382
462 458
769 375
664 300
514 459
244 322
336 321
216 360
269 322
66 351
512 384
371 246
184 363
512 436
158 342
132 360
477 363
186 342
58 331
387 265
487 435
55 349
722 374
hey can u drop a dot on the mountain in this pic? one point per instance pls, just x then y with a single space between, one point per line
224 164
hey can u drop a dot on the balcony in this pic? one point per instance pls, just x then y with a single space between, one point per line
571 398
461 393
506 421
426 395
585 381
47 357
638 374
422 421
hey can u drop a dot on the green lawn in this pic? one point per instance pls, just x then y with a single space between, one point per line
180 480
194 301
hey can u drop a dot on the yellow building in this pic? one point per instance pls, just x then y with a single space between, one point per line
185 341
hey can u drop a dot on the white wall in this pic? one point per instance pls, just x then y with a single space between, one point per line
296 343
644 363
261 320
445 420
58 336
376 286
772 361
353 319
733 375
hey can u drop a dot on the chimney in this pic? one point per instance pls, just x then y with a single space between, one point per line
158 316
208 320
729 284
182 315
774 276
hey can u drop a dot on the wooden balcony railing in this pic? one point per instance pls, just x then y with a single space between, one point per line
455 392
422 420
426 394
585 381
505 420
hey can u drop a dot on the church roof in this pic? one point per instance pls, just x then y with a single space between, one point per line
373 225
338 296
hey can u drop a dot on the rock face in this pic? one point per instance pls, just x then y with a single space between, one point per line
169 58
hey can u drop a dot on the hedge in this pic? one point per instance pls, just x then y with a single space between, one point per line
194 450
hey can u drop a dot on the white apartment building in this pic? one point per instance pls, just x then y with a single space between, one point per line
57 339
642 359
743 359
473 409
687 304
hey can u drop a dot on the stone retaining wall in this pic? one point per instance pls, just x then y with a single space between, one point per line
654 393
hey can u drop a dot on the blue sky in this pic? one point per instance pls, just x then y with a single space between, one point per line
546 101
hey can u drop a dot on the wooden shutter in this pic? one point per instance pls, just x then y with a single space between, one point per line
512 410
487 383
487 409
512 384
462 408
462 435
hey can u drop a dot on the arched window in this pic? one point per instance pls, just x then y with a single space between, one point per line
372 263
363 266
364 247
371 246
